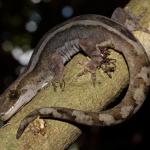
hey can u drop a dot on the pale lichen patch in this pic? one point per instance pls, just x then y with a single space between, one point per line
125 111
38 127
81 117
139 95
145 75
107 119
53 111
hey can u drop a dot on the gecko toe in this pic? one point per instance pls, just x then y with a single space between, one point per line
109 66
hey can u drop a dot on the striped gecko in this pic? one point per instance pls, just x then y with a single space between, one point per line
92 34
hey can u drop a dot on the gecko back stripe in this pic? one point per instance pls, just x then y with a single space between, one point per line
64 26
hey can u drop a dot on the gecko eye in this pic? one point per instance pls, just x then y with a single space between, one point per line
14 94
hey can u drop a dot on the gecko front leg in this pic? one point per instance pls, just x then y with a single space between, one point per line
56 67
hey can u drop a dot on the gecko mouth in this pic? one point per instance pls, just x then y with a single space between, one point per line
4 116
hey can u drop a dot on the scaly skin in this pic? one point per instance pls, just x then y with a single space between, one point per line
92 34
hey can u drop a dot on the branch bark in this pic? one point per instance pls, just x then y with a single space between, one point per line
78 94
141 10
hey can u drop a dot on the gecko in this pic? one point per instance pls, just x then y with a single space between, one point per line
93 35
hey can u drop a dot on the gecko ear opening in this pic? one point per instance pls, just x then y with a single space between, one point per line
116 100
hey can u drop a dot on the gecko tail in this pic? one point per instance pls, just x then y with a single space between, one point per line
59 113
25 122
66 115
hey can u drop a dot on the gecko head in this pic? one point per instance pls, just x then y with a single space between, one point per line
14 98
7 102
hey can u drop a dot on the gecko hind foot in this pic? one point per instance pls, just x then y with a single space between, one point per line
109 66
98 52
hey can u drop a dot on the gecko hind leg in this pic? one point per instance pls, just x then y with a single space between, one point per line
56 67
99 58
108 65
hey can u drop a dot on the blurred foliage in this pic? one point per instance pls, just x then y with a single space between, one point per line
15 15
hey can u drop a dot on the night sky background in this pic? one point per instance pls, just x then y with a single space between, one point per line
23 23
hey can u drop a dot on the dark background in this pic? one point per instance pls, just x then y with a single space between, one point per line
14 17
